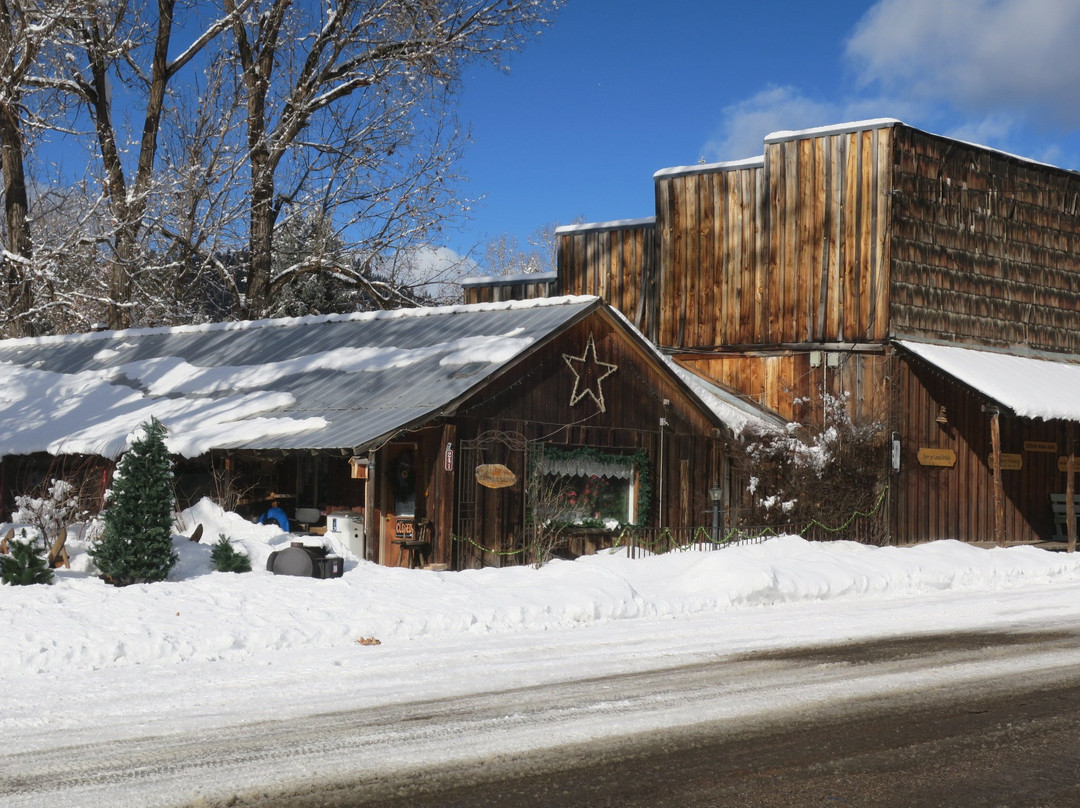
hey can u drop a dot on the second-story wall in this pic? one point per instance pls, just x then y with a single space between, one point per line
846 235
985 246
616 261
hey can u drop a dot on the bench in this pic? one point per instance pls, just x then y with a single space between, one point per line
1061 519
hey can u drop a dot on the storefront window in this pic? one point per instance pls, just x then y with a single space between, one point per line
584 487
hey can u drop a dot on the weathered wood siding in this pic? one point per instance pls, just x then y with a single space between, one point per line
985 246
518 287
617 262
536 401
789 382
958 502
827 257
713 224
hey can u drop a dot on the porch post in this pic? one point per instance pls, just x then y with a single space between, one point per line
372 536
999 499
1070 487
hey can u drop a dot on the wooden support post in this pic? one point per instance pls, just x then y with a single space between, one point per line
999 498
372 536
1070 487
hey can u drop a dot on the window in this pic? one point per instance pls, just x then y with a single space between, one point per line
586 487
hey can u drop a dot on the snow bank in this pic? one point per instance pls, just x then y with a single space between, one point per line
200 615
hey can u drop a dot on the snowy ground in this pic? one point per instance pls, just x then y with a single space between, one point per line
84 662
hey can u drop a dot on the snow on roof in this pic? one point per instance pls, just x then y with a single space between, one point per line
832 129
705 168
1032 387
279 384
612 225
521 277
730 409
738 413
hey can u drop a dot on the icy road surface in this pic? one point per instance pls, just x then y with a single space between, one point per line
441 706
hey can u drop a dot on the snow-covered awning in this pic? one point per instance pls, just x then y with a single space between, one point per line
1032 387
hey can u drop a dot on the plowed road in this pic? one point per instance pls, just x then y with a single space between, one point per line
631 739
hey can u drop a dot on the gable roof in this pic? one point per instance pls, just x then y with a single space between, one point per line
327 382
336 381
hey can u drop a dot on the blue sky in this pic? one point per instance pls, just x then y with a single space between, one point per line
614 91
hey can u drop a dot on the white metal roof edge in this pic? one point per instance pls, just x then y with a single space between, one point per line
710 168
521 277
1043 386
290 322
832 129
615 224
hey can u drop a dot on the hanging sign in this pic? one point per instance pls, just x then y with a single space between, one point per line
1009 462
1040 446
495 475
941 458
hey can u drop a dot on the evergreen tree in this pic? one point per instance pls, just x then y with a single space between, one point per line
227 558
26 564
136 545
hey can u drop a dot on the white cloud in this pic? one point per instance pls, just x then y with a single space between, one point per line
436 271
746 123
990 58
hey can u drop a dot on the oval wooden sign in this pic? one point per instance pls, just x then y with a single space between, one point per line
495 475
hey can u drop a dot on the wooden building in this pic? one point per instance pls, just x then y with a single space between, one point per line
822 266
446 435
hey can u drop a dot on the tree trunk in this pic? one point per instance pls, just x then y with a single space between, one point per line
261 238
16 207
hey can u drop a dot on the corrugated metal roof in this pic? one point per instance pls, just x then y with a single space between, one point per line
1045 387
307 383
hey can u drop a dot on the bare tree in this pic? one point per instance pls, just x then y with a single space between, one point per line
504 255
121 52
25 28
337 97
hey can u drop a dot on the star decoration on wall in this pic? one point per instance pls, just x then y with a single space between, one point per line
588 373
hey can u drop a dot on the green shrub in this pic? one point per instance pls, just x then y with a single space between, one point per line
227 558
26 564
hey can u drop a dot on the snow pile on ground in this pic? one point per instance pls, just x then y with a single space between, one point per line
204 616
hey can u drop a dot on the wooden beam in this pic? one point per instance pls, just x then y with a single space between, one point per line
1070 487
999 498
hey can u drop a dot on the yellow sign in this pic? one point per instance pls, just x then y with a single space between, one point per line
1040 446
1009 462
495 475
942 458
1063 463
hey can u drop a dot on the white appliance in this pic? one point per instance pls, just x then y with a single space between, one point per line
348 528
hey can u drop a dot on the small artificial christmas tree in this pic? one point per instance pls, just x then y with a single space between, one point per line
26 564
136 544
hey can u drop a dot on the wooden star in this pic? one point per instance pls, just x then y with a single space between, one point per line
588 373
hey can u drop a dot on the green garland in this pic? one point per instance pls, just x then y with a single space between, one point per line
639 458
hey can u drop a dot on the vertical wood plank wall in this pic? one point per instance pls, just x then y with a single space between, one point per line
712 224
617 263
785 381
498 289
985 246
957 502
827 256
536 403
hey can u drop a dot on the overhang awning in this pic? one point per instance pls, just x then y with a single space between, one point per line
1032 387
